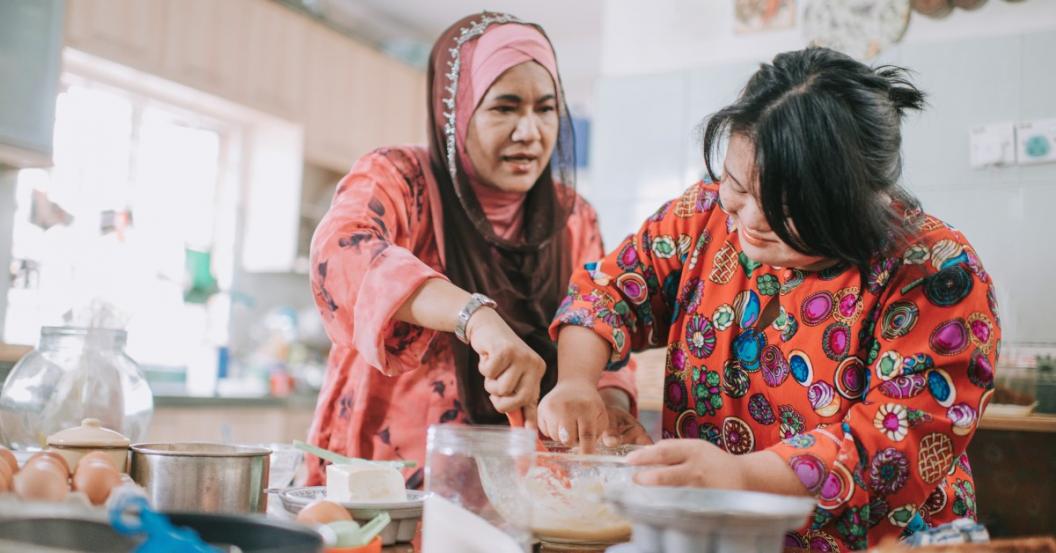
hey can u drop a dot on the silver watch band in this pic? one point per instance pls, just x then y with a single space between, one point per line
476 301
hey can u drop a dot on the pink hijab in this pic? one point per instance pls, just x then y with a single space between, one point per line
498 49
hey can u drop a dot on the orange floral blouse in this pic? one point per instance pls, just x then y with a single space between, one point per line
868 383
388 381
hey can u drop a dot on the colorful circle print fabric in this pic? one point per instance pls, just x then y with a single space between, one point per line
868 382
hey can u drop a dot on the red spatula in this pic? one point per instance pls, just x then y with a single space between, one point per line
559 472
517 421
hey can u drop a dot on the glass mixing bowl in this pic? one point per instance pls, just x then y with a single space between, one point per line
565 492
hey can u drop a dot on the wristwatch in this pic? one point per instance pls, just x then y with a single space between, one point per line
476 301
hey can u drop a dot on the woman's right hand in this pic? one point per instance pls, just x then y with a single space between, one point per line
574 413
512 371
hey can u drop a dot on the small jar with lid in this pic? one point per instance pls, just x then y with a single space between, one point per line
74 443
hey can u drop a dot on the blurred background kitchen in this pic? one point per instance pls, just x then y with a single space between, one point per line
163 164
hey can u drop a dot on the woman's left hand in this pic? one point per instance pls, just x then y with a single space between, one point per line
690 463
701 464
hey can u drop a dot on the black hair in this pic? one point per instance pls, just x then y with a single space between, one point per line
827 136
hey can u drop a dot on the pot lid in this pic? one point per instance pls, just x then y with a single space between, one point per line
89 434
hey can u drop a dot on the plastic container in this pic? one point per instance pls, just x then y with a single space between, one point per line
373 547
457 459
72 375
697 520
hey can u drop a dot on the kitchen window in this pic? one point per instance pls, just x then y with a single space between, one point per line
139 210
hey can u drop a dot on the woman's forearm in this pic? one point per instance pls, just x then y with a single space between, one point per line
581 354
435 305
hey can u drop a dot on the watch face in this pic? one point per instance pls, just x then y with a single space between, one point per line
859 28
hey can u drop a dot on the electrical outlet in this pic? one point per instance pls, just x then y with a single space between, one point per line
1036 141
992 145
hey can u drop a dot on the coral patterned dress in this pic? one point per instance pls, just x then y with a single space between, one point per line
868 384
388 381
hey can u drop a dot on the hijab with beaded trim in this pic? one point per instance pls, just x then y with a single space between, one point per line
525 272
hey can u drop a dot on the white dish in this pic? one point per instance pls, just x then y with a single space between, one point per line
405 514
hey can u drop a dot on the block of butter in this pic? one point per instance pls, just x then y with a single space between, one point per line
364 481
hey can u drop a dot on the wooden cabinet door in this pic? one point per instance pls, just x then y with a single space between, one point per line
275 56
205 44
335 108
406 104
129 32
395 102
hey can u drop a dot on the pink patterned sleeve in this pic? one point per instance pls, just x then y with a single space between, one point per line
363 268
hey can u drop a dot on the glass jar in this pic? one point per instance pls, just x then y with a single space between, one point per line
478 500
74 374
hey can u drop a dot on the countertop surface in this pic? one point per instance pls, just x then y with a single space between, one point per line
305 401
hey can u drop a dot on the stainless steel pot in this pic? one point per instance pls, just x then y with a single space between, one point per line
202 477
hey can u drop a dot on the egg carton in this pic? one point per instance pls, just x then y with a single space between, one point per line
74 505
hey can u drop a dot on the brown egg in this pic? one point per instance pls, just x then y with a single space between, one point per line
96 478
50 456
45 464
6 479
6 455
98 456
34 482
322 511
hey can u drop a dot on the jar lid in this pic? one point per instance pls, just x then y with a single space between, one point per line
89 434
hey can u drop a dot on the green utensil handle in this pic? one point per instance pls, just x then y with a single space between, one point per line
337 458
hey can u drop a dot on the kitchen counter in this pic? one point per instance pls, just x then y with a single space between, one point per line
11 353
1034 422
294 401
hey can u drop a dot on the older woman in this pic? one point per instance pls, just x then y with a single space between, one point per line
437 270
825 336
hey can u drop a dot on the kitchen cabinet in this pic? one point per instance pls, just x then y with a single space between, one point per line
30 50
399 94
275 55
348 98
336 115
205 44
129 32
263 54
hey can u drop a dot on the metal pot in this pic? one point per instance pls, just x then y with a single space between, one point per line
202 477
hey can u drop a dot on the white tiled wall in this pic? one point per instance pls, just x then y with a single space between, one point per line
645 150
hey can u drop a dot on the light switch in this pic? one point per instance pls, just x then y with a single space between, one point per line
1036 141
992 146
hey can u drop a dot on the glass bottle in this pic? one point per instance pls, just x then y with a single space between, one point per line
75 373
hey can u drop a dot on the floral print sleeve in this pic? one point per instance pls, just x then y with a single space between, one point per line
588 248
896 457
629 296
363 268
